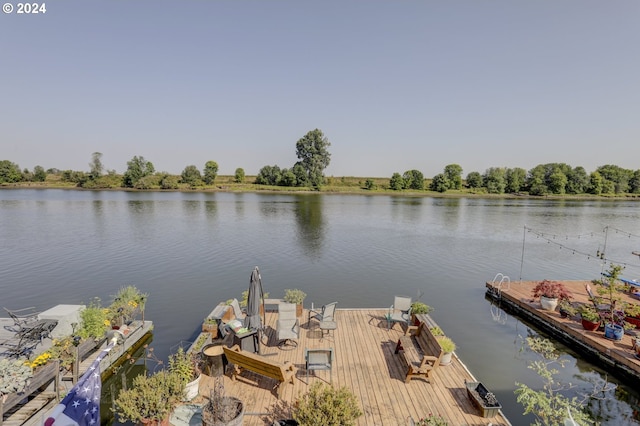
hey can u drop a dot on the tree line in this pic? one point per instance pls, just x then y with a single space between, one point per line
314 157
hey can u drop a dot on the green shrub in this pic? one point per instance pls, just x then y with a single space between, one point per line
420 308
150 397
94 321
327 406
447 344
294 296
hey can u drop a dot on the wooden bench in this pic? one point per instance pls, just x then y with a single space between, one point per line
420 351
260 365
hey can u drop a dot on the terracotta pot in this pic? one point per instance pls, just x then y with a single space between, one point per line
299 308
590 326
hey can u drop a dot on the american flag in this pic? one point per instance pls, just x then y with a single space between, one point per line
81 406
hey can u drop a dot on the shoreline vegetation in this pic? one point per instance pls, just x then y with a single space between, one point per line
347 185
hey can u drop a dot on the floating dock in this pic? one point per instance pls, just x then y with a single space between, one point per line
617 357
29 408
366 364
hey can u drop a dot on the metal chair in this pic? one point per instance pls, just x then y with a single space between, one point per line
400 311
22 317
288 326
325 314
319 359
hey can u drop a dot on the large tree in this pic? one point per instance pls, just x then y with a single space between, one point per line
413 179
396 182
9 172
312 151
137 168
453 174
210 172
239 177
39 175
191 175
95 166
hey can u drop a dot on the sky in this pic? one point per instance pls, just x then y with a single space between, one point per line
394 85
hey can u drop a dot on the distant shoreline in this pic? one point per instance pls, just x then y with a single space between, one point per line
330 190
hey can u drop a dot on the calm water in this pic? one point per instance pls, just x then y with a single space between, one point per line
192 250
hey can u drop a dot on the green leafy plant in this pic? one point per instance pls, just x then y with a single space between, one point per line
588 313
566 306
549 405
327 406
420 308
436 331
127 302
64 350
94 321
447 344
187 365
610 289
150 397
294 296
14 376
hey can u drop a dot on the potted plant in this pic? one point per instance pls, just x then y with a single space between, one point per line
295 296
14 377
550 292
222 409
150 399
326 405
418 308
448 346
609 288
210 325
188 365
589 317
436 331
632 314
566 309
94 321
127 302
483 399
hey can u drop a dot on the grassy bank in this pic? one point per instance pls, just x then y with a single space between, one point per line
334 185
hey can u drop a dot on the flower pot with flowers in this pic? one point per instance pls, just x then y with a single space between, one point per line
127 303
550 292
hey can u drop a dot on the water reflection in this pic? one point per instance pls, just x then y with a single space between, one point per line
310 222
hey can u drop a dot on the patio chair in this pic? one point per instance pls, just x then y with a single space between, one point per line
22 317
236 309
326 313
319 359
288 326
400 311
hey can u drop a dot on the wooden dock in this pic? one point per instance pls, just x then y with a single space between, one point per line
617 357
365 363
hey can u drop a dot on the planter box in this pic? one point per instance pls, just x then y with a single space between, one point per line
477 392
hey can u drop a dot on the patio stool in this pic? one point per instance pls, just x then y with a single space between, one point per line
328 326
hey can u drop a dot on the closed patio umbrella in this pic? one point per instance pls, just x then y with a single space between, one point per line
254 300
